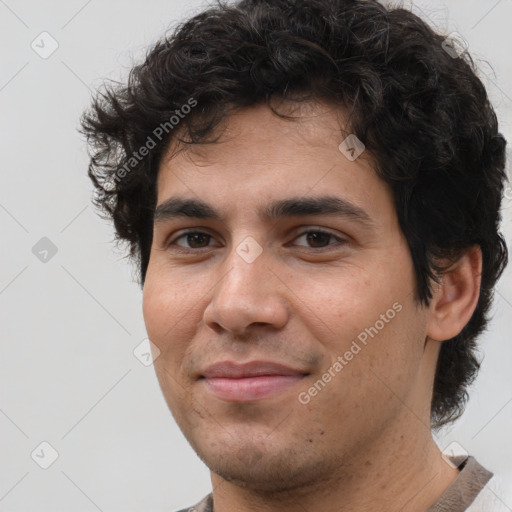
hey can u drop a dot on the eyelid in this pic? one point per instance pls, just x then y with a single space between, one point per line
339 239
199 230
306 231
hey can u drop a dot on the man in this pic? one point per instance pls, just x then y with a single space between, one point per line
311 190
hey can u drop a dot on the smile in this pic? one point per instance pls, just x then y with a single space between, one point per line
250 388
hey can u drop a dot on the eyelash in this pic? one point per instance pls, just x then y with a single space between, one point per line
193 232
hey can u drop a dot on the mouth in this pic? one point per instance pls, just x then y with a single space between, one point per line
249 382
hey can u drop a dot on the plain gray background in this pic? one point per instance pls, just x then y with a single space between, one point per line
71 322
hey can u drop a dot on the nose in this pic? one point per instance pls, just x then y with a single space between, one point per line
248 293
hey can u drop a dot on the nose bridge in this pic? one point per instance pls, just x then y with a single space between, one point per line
247 292
246 267
246 264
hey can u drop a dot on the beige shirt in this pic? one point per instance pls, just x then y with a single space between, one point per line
471 480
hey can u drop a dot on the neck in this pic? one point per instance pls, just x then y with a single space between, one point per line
401 469
406 475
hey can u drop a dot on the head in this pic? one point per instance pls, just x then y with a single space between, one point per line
235 121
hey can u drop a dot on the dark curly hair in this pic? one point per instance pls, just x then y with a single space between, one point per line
421 111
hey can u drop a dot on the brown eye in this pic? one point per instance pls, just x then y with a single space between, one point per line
318 239
194 239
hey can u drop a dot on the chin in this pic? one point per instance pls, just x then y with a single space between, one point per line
255 468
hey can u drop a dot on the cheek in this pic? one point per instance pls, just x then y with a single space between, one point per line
153 309
364 315
338 303
165 306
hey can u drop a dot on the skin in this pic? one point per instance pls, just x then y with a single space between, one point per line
364 441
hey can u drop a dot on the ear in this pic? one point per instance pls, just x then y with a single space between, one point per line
456 297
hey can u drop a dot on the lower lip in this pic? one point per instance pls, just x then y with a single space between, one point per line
250 388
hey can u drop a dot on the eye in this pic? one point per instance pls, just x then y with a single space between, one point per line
195 239
319 238
316 238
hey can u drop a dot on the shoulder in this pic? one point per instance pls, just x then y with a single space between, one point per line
475 489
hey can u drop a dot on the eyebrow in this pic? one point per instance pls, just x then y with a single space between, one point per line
178 207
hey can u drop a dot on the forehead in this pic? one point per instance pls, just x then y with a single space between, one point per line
260 160
311 125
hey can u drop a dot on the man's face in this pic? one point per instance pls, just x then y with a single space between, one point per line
249 288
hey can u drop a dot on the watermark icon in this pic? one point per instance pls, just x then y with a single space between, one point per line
158 133
351 148
248 249
45 45
304 397
508 193
44 455
44 250
454 454
454 45
146 352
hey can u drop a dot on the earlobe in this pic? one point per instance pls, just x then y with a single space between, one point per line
456 296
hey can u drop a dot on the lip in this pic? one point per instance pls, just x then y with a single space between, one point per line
232 370
250 381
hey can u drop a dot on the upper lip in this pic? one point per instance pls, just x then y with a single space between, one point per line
232 370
